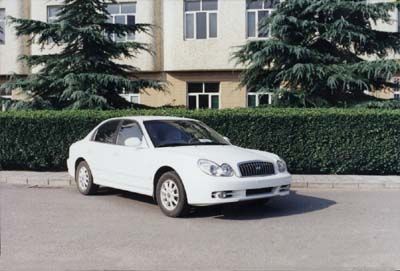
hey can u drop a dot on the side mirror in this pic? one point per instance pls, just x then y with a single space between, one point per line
133 142
227 139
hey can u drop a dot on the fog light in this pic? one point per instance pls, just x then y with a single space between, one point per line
284 188
220 195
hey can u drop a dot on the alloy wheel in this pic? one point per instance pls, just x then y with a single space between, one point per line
169 195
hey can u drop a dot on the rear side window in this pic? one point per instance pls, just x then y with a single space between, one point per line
107 133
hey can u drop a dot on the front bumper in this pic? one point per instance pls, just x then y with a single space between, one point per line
71 168
218 190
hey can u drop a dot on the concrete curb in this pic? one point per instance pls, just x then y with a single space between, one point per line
353 182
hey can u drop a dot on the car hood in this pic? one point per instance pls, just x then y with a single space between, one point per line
222 154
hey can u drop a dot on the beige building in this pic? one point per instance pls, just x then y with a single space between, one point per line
192 43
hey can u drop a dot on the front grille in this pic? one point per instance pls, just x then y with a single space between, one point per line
257 168
254 192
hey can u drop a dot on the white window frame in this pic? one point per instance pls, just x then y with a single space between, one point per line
197 94
257 95
3 21
208 12
129 96
256 11
119 4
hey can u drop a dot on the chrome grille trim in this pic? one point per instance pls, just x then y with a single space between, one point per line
256 168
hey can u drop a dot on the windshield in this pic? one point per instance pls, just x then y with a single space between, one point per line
168 133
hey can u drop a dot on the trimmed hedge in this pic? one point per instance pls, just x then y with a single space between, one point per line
341 141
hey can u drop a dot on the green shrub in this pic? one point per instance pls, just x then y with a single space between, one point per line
388 104
342 141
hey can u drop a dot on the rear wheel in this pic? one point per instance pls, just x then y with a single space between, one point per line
84 179
171 195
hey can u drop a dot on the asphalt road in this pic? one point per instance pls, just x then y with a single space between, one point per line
58 229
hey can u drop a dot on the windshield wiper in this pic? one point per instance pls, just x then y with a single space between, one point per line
172 145
190 144
210 143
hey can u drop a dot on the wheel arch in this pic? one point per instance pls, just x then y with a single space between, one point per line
157 176
77 162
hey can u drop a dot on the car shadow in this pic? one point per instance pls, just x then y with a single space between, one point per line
106 191
294 204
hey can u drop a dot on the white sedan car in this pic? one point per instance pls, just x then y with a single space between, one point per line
179 162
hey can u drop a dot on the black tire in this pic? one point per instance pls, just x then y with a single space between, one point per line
91 187
182 208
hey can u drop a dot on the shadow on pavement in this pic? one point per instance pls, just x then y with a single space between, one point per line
106 191
294 204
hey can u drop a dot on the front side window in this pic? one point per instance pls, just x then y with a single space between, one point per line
2 25
124 13
169 133
201 19
129 129
257 11
107 132
203 95
256 99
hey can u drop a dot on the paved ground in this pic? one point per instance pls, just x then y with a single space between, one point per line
57 179
58 229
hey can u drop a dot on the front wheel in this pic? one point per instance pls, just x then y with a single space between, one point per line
171 195
84 179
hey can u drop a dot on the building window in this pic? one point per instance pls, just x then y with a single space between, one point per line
396 89
52 16
398 20
52 13
256 99
2 25
201 19
132 97
257 10
203 95
124 13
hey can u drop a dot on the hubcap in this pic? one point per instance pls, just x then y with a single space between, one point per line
169 195
83 178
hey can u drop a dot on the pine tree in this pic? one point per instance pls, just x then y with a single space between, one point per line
322 50
85 73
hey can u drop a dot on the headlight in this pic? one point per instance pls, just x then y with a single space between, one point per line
213 169
281 166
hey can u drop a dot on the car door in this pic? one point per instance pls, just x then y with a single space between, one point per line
134 158
102 153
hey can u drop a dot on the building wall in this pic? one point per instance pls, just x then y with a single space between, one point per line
175 60
207 54
13 47
145 10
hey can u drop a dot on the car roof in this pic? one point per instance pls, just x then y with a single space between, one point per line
146 118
